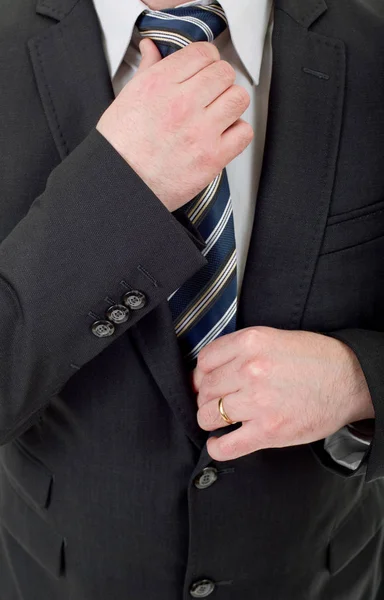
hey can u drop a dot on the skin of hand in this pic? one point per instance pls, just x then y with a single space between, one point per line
286 387
177 122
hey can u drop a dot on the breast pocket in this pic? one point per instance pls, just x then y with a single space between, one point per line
347 289
25 491
354 228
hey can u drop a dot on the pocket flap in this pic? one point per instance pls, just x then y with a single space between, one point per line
358 227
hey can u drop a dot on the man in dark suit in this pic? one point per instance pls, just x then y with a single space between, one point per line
191 295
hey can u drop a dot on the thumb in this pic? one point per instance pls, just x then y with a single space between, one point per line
150 54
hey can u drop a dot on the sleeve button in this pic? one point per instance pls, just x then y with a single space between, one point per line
118 314
135 300
102 329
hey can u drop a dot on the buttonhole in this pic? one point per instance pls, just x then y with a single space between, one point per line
226 471
125 285
93 315
147 275
317 74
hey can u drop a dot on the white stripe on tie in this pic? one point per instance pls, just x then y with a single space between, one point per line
168 17
215 235
215 9
215 331
204 200
162 36
217 285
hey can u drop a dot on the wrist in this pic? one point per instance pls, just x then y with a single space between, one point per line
359 396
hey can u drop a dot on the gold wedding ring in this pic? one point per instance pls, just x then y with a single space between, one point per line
224 414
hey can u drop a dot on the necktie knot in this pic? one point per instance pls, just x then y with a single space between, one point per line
174 28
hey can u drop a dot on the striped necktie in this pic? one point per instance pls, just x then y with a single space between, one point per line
205 306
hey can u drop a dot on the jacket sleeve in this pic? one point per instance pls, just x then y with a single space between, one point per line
369 348
96 232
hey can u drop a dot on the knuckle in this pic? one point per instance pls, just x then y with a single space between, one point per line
258 368
239 97
234 447
229 447
205 50
212 379
226 71
207 415
273 425
250 338
235 101
246 134
252 370
203 360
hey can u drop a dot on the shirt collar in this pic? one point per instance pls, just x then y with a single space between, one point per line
248 23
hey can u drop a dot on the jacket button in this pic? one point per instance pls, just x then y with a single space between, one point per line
103 329
206 478
202 589
118 314
135 300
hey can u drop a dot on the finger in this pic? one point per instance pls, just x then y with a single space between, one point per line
196 379
222 381
209 417
219 352
210 82
235 140
228 108
189 61
150 55
241 442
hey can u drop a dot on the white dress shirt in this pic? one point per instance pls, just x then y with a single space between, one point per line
247 45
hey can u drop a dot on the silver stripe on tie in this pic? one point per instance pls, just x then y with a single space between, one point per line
218 284
215 331
216 10
168 17
204 200
162 36
216 233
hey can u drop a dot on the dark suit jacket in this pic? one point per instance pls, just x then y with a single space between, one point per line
101 457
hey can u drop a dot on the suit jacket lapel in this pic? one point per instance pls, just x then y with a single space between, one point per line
305 115
71 71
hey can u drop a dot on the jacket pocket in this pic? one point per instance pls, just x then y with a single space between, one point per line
355 532
25 488
354 228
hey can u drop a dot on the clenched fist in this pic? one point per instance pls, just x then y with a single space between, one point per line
177 122
286 387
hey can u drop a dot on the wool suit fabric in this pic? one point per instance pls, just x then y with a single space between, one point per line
102 457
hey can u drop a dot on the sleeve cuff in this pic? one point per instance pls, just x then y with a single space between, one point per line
347 448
